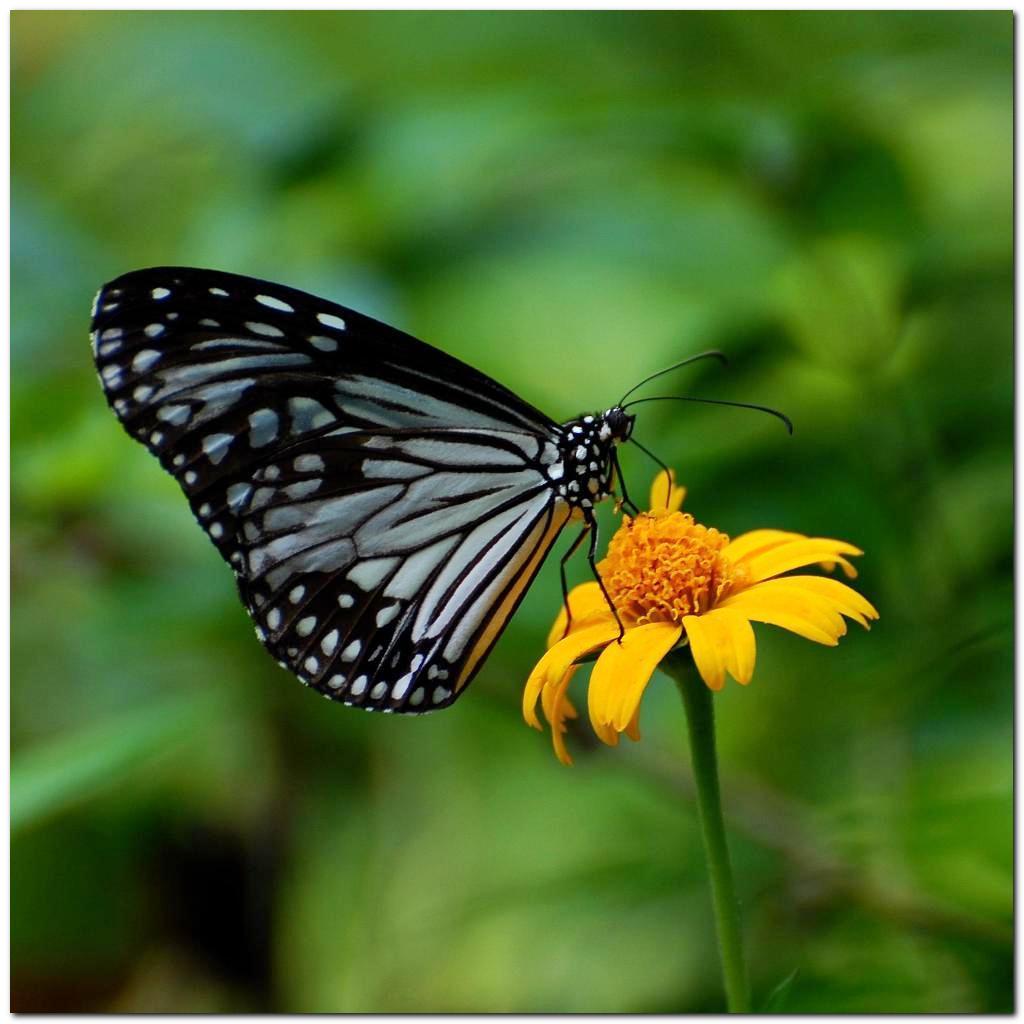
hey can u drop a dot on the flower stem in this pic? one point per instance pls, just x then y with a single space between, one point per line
700 720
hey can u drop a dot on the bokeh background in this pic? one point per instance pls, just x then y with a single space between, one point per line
569 201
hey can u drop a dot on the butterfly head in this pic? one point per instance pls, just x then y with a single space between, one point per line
618 423
584 472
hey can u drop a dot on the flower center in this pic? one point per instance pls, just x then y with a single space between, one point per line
663 566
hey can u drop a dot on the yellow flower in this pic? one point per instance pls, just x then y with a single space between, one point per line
674 580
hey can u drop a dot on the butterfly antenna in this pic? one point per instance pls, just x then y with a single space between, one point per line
710 354
655 459
717 401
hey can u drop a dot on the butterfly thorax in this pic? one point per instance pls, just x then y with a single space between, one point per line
584 472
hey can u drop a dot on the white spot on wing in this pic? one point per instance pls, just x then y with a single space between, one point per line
304 488
154 330
306 626
387 615
160 293
322 343
308 414
263 424
144 359
267 330
352 651
329 643
174 414
215 446
369 574
330 320
238 494
309 463
269 300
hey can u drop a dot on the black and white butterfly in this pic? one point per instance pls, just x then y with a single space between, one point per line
384 506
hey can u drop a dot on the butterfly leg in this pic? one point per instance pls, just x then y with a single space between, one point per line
592 561
627 501
573 548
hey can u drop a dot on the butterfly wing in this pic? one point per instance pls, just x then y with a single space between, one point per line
382 567
384 506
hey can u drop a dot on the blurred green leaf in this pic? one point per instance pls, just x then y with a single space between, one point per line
779 996
57 774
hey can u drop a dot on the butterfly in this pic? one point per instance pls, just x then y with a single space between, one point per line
383 505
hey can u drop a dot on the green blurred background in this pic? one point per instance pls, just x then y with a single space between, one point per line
568 201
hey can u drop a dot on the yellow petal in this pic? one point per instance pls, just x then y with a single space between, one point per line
795 554
831 595
846 599
606 733
557 661
633 729
557 708
800 611
665 495
584 601
756 541
623 672
722 641
554 703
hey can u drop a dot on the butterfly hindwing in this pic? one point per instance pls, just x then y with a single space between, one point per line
383 505
389 593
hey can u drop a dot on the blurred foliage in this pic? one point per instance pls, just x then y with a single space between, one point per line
568 201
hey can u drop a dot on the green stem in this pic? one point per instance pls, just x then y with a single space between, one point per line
700 720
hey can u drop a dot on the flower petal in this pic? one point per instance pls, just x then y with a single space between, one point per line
665 495
557 708
793 606
722 641
623 672
756 541
584 600
552 698
845 599
795 554
557 661
633 729
830 595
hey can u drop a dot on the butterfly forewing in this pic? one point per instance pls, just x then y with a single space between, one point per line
383 505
